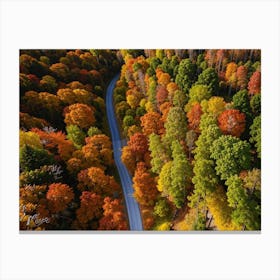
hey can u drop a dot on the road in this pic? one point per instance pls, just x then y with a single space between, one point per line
135 221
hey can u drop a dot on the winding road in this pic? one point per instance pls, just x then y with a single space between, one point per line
132 206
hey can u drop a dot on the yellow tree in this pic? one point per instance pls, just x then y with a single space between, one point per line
79 114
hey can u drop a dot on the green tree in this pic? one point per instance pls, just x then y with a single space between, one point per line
246 212
241 101
186 75
210 78
76 135
231 155
179 99
255 104
205 178
255 132
198 93
180 175
252 182
164 181
93 131
31 158
162 208
128 121
175 125
158 154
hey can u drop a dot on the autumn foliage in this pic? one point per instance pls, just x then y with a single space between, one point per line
79 114
59 196
190 127
232 122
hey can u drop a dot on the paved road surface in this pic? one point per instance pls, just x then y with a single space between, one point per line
132 206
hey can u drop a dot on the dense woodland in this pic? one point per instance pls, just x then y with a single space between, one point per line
192 121
67 172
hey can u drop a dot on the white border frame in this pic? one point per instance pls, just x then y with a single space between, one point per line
162 24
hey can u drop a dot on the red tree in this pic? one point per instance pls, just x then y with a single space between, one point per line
254 85
138 144
232 122
193 116
144 185
114 218
241 75
162 95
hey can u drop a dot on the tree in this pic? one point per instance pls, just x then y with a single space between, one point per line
252 181
129 159
162 208
29 138
164 181
186 75
95 180
144 185
148 219
121 109
138 144
164 109
180 175
214 106
59 196
255 104
55 142
231 155
151 123
255 132
79 114
230 71
205 178
114 218
48 84
93 130
164 79
191 137
209 78
43 105
70 96
31 158
254 85
76 135
231 76
98 151
175 125
198 93
45 174
60 71
161 95
179 99
241 75
27 122
128 121
158 153
246 212
134 99
90 208
152 85
171 88
219 208
193 116
232 122
241 101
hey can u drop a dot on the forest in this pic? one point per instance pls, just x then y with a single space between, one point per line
190 128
